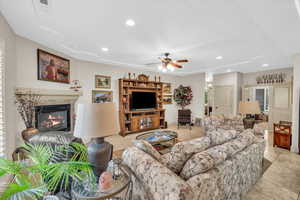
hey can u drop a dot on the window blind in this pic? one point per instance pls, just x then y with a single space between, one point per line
2 118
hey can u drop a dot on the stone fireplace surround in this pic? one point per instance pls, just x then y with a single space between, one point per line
55 97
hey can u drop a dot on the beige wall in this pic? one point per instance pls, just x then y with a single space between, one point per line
197 83
296 101
250 78
85 72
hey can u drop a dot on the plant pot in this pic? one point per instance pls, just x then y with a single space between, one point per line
29 132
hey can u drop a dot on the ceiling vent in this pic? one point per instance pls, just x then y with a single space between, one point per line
44 2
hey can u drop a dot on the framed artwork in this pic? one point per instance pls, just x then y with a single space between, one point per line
167 89
167 99
102 96
52 67
102 81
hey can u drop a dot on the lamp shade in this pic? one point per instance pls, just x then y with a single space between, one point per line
249 107
96 120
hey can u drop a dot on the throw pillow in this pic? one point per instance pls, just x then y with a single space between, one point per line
147 148
182 151
221 136
203 161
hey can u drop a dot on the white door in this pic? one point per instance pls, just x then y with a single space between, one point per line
223 100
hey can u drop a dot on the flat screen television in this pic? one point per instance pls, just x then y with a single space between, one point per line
143 100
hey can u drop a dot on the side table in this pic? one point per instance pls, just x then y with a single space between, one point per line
121 188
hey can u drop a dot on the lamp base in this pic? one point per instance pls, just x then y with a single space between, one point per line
99 154
249 122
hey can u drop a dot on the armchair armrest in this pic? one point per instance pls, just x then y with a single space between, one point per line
156 180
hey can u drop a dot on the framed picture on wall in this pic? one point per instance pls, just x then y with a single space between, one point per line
102 81
102 96
167 89
52 67
167 99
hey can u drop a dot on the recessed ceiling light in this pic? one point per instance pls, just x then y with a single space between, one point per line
130 22
219 57
228 70
265 65
104 49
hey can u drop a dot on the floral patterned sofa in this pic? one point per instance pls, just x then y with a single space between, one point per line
216 122
223 165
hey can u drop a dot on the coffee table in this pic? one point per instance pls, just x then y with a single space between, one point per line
161 140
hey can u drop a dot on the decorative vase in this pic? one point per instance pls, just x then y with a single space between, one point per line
29 132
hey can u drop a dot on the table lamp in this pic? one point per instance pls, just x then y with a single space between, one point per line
93 123
249 108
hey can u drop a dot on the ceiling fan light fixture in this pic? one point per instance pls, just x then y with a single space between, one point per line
160 67
170 67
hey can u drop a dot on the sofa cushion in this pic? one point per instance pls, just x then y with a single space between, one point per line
241 142
147 148
182 151
221 136
206 160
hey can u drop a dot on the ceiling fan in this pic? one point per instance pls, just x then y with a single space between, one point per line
168 64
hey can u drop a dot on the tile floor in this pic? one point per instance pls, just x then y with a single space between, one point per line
281 181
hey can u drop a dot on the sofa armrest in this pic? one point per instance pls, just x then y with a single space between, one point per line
157 181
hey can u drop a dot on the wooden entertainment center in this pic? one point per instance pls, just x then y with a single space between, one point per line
133 121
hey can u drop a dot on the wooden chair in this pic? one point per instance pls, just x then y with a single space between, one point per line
283 135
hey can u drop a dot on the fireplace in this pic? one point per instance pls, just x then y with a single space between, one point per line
53 118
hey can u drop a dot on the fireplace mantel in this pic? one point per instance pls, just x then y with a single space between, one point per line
54 97
48 92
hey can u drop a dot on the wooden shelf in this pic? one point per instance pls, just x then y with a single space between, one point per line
141 87
132 121
139 81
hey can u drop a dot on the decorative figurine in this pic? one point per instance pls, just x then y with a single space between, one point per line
105 180
75 85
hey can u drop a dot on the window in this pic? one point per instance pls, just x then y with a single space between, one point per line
262 96
2 116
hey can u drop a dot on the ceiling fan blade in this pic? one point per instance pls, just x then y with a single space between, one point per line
175 65
182 61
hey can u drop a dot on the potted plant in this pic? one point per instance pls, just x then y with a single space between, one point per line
183 96
47 170
26 104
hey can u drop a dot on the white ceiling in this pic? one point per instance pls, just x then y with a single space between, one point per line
247 33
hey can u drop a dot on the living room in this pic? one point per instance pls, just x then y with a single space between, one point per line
219 68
